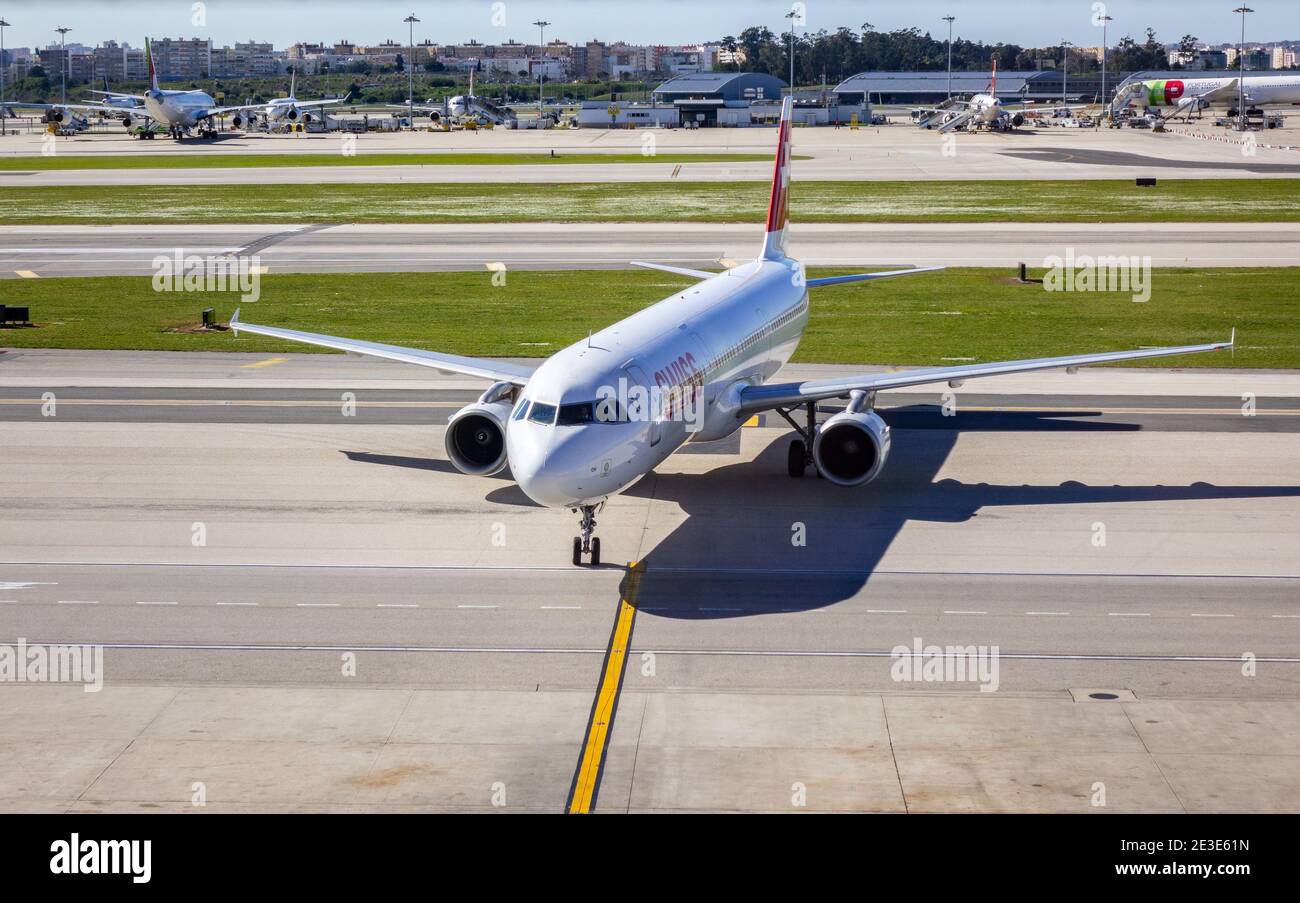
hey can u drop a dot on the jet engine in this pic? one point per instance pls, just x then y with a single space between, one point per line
292 115
476 434
1017 120
306 117
237 121
850 449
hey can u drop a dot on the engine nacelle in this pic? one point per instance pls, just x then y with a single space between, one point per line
292 115
1017 120
306 117
851 448
126 121
476 437
237 121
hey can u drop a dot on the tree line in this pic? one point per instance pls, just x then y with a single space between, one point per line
833 56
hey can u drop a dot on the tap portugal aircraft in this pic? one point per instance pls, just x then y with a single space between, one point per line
596 417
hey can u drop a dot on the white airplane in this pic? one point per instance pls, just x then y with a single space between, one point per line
179 111
289 109
1192 95
596 417
982 109
451 109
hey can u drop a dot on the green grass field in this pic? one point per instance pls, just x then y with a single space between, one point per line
1190 200
217 160
962 313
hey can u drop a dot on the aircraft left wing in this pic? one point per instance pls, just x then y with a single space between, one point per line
680 271
494 371
765 397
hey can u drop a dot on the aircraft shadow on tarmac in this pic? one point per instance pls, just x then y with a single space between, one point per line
733 556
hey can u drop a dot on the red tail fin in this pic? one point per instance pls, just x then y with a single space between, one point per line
778 207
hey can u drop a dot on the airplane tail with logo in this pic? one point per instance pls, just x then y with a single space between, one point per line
153 70
993 88
778 207
293 81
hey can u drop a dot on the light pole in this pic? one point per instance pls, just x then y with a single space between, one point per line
541 53
1105 51
410 71
792 15
4 112
1065 71
63 51
1241 68
950 20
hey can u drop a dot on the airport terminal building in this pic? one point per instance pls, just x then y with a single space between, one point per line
719 100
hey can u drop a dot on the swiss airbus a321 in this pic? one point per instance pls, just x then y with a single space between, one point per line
595 418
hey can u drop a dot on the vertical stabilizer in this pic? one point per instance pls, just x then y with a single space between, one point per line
153 70
778 207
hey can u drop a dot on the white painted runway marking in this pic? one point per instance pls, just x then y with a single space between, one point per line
239 604
78 602
1129 614
886 611
317 604
1211 616
561 608
1058 614
476 606
143 602
965 612
397 605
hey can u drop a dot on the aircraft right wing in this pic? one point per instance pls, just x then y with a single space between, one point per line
680 271
494 371
766 397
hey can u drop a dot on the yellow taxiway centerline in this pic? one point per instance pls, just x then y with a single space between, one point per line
586 780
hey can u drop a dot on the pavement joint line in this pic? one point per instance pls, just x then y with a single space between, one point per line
745 653
568 569
604 708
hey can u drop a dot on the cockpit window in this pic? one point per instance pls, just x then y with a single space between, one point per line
522 409
576 414
604 411
542 413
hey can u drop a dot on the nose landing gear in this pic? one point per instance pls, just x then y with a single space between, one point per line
586 544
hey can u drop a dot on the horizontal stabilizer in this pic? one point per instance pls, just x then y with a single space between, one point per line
680 271
866 277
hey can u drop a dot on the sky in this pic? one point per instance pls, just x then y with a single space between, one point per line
1029 23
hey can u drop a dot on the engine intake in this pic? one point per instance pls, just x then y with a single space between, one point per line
851 448
476 438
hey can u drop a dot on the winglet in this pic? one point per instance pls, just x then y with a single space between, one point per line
234 322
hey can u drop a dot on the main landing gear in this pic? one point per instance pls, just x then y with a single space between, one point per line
799 458
586 544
